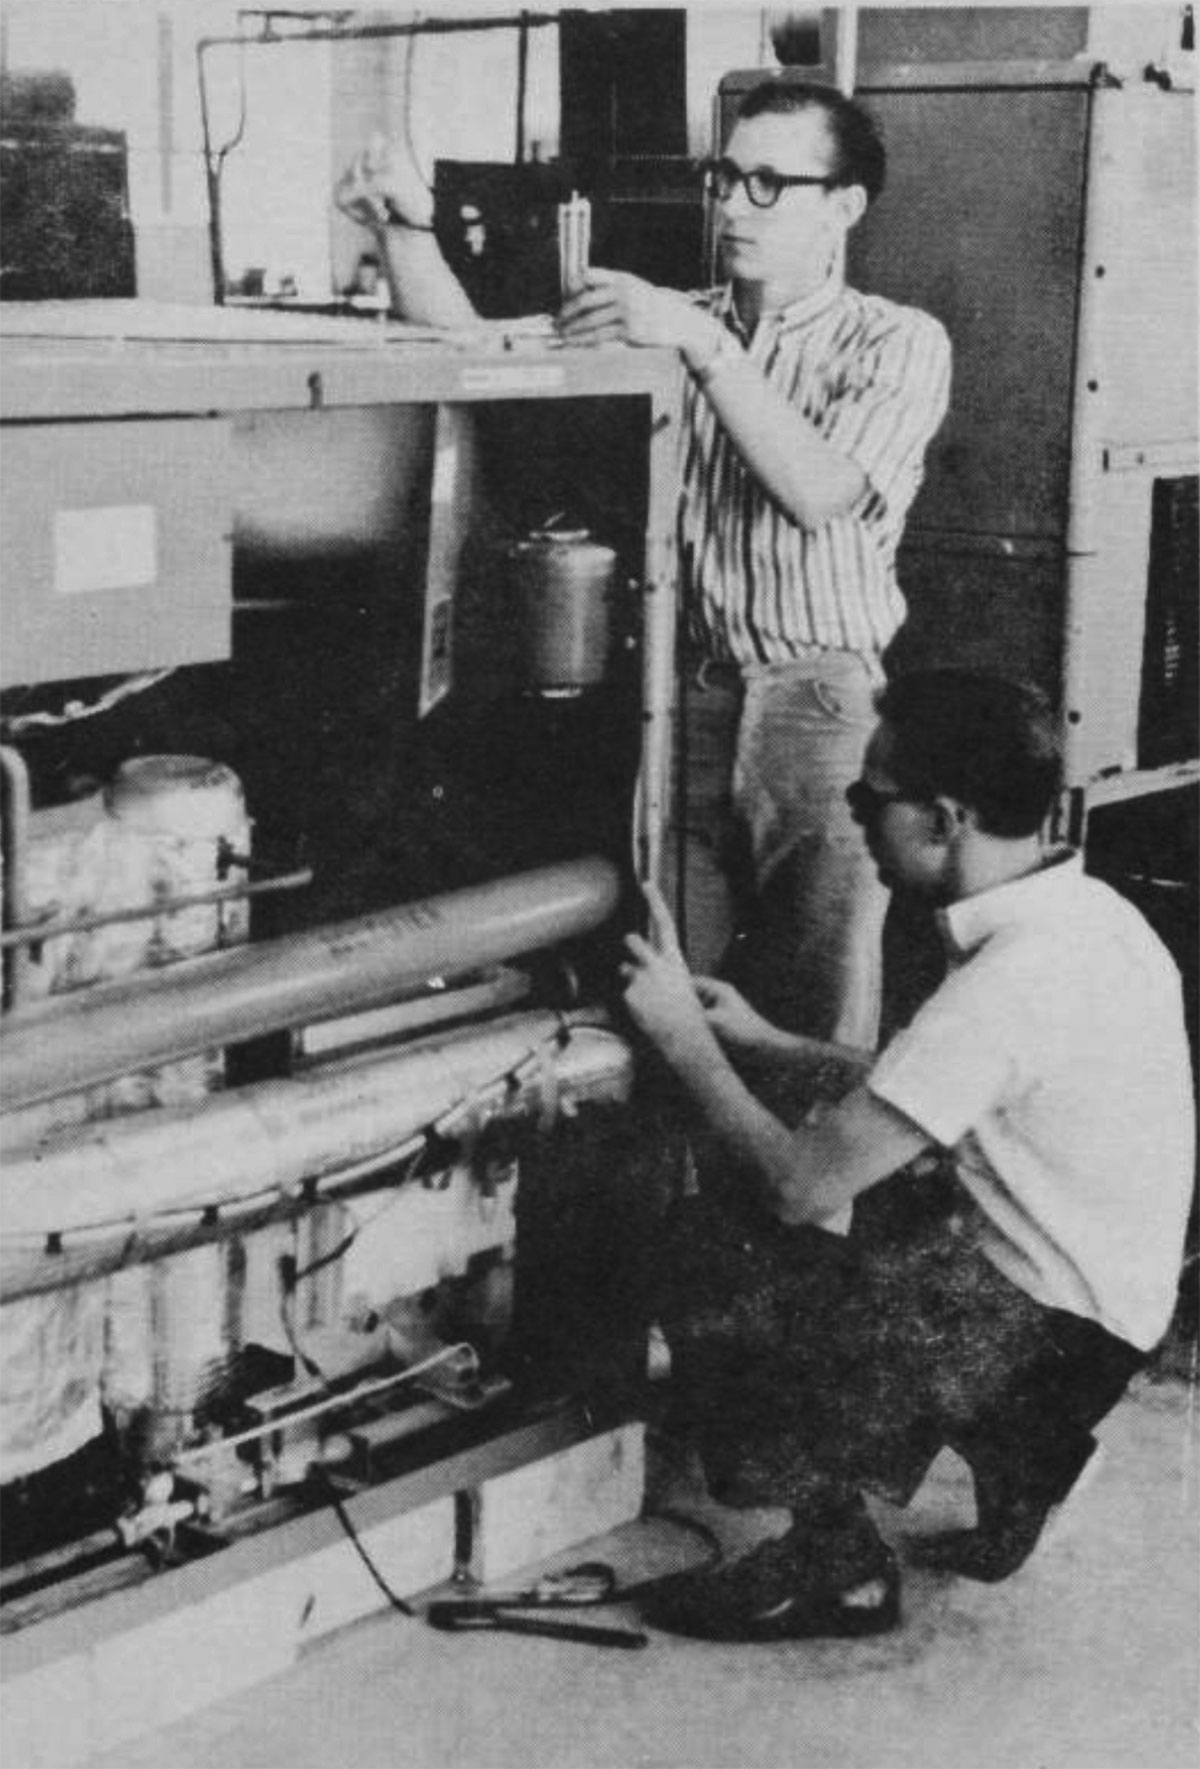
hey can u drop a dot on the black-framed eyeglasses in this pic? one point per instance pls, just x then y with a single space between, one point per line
866 802
764 186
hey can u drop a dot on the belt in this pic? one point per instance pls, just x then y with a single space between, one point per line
712 672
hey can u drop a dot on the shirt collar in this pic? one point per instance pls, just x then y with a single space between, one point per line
796 313
967 924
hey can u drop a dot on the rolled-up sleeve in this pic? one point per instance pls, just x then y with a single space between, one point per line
894 398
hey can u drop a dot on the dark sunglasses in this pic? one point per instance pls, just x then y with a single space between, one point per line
866 802
764 186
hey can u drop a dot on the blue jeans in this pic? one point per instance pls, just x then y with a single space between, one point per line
778 892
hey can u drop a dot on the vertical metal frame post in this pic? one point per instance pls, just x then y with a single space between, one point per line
659 593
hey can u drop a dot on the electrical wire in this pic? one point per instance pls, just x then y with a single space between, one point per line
348 1240
410 57
74 710
392 1596
431 1140
235 140
310 1364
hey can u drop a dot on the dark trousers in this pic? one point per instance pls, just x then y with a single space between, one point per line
810 1366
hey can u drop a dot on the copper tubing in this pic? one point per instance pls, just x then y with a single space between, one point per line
75 1042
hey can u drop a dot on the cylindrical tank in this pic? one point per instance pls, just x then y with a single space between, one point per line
166 827
565 587
188 816
75 866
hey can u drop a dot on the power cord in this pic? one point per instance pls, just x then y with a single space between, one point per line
310 1365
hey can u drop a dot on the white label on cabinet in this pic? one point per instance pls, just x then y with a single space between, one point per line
514 378
111 547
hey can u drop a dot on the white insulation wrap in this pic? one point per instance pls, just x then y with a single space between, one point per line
166 826
105 1193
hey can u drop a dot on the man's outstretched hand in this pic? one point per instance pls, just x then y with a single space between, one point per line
614 307
383 183
660 993
741 1029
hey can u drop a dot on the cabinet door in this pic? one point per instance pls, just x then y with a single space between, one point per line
116 538
981 224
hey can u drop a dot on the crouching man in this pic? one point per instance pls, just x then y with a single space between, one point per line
1000 1306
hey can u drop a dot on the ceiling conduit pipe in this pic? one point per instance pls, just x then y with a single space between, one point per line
78 1041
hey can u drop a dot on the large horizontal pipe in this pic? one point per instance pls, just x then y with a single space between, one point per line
132 1189
78 1041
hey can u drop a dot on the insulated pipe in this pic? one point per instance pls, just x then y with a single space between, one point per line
78 1041
121 1192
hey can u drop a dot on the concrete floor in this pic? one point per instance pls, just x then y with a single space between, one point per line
1087 1659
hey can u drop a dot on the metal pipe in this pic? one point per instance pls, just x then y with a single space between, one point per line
33 933
120 1193
17 814
112 1029
344 1398
845 48
659 668
522 85
1086 490
432 27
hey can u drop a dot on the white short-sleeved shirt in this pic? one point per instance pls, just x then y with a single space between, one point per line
1054 1062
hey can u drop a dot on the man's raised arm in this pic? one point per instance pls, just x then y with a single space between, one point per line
384 192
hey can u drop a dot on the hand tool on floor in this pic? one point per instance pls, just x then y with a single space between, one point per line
459 1617
593 1581
577 1587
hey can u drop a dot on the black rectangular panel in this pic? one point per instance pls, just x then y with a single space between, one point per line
970 33
981 224
981 607
1169 708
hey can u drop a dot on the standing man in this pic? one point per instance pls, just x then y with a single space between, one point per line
806 417
806 420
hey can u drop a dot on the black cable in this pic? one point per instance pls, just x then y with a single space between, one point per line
287 1291
343 1517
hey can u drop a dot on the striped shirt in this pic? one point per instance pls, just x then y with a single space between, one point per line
873 380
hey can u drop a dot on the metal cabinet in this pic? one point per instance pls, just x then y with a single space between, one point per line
172 472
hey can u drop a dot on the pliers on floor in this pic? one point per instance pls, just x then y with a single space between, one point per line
578 1587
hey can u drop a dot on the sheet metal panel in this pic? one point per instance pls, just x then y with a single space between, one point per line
137 358
116 542
981 225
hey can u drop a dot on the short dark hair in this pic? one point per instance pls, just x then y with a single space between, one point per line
859 155
992 744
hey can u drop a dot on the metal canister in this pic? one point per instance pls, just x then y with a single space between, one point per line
73 868
189 816
170 1347
565 585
